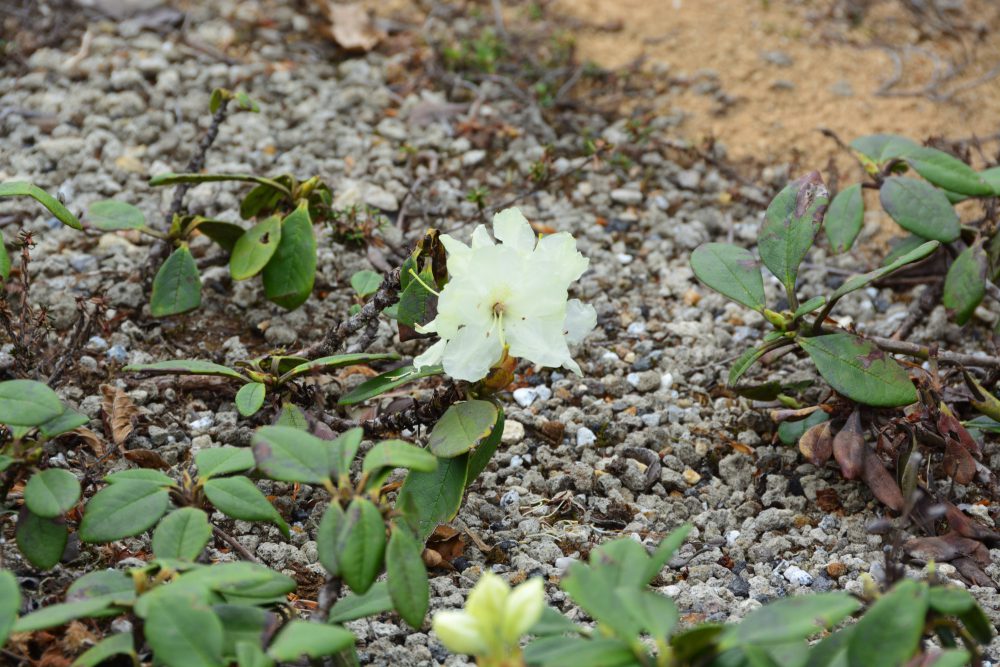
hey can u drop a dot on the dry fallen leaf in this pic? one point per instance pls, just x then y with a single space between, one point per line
816 444
351 26
119 413
881 483
146 458
89 438
849 447
958 462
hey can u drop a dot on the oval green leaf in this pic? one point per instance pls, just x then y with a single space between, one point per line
184 633
335 361
42 541
107 648
291 273
240 498
10 603
223 461
462 427
255 248
123 509
226 234
28 403
328 538
437 495
731 271
786 620
790 225
110 215
352 607
55 207
920 208
288 454
407 576
177 286
947 172
398 454
315 640
182 535
250 398
965 284
51 493
362 545
844 218
185 367
386 382
889 634
859 370
366 282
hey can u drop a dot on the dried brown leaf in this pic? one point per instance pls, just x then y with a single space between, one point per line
89 438
958 462
943 548
351 26
950 427
881 483
966 526
146 458
849 447
119 413
816 444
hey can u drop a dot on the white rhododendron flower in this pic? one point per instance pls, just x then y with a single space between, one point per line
511 294
494 619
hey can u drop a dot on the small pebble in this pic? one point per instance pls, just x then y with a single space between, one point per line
564 563
836 569
525 396
513 432
117 353
690 476
585 437
510 500
626 196
796 575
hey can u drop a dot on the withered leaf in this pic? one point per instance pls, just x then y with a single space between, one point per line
816 444
89 438
966 526
351 26
447 543
958 462
950 427
146 458
944 548
973 572
119 413
881 483
849 447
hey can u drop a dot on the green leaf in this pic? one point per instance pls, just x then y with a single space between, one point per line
731 271
110 215
185 367
255 249
553 623
107 648
656 614
184 633
10 603
920 208
880 148
28 403
60 614
123 509
398 454
24 189
240 498
250 398
352 607
329 535
223 460
5 265
844 218
290 455
578 652
366 282
249 654
177 179
965 284
462 427
955 657
386 382
480 457
950 600
696 642
335 361
292 416
215 100
64 423
51 493
111 585
41 540
182 535
751 356
437 494
261 200
790 431
977 623
859 370
790 226
177 286
947 172
671 543
314 640
415 300
245 102
889 633
992 178
153 478
291 273
860 280
362 544
342 450
902 246
407 576
242 623
789 619
226 234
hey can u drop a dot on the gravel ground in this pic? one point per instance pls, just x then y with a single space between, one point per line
96 124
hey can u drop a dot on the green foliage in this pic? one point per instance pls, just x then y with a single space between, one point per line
637 626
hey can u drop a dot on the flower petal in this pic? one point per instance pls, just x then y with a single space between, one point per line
523 609
458 255
537 339
459 632
580 320
481 238
512 228
469 355
487 600
431 356
560 258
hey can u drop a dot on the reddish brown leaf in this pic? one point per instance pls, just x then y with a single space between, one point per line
949 426
958 462
973 572
89 438
944 548
816 444
849 447
146 458
119 413
966 526
881 482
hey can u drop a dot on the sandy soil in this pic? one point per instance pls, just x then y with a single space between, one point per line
787 68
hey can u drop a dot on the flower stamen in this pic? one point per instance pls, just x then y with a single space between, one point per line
425 285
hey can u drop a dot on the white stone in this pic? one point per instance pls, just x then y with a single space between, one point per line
585 437
525 396
796 575
513 432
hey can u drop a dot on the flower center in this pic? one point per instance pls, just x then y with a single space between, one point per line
498 308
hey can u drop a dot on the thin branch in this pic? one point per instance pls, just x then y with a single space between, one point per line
235 544
419 415
924 352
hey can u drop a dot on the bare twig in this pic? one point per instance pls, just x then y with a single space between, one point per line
387 294
328 595
419 415
924 352
919 309
235 544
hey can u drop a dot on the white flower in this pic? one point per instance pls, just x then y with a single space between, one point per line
494 618
512 294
